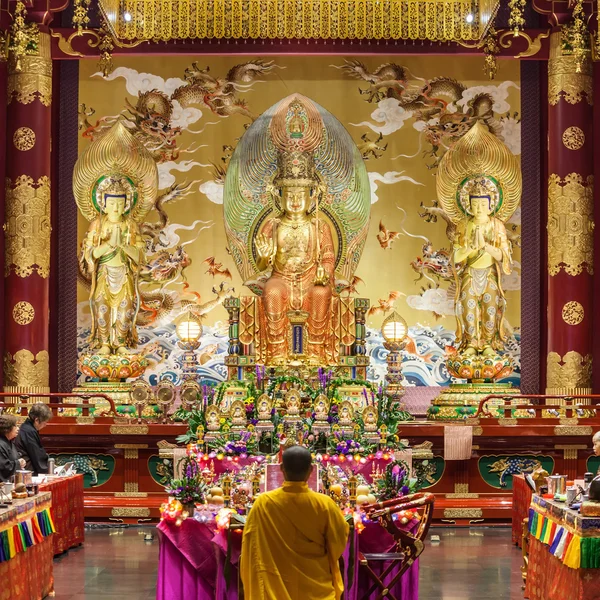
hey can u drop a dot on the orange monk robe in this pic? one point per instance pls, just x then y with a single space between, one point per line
293 539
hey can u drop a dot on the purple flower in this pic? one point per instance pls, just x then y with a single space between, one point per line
404 490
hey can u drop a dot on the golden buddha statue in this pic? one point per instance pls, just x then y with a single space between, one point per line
115 182
296 209
482 253
479 188
110 254
298 251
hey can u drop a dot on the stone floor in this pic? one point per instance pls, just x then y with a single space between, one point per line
466 564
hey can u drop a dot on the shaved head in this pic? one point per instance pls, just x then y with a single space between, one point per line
296 464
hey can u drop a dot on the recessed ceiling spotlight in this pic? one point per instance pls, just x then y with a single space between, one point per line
127 17
470 18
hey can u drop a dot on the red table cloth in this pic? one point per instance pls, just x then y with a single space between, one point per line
550 579
521 500
28 575
67 511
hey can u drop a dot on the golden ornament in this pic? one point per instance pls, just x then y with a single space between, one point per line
570 224
24 139
23 313
572 313
27 227
573 138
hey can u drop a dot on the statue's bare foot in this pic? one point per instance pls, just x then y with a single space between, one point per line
104 349
470 351
488 351
122 350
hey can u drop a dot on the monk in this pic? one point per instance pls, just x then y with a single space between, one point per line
293 539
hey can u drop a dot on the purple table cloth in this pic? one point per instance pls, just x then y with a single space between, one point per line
193 557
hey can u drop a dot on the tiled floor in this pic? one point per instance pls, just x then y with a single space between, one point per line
475 564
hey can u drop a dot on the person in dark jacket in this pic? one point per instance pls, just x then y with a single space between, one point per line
9 457
29 443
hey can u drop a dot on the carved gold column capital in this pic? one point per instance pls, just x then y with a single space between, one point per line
30 76
569 76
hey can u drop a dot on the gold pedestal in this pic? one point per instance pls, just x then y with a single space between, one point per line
461 400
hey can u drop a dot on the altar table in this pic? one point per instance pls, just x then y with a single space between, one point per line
195 564
521 501
564 553
28 575
67 511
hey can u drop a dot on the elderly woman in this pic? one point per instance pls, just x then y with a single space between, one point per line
29 443
9 457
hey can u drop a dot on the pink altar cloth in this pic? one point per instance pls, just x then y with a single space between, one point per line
192 563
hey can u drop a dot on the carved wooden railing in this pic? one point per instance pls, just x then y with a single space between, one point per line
568 407
25 402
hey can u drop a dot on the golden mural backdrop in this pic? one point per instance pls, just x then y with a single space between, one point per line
402 113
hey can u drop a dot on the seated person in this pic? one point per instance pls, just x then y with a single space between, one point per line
9 457
29 443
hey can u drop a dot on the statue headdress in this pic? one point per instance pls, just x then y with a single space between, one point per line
118 165
479 164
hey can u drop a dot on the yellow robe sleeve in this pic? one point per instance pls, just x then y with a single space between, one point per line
336 538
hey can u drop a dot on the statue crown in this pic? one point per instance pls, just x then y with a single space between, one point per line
115 185
295 168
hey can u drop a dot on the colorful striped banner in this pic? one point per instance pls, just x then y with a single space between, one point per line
25 534
572 550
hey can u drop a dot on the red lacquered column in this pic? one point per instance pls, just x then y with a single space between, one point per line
570 222
27 221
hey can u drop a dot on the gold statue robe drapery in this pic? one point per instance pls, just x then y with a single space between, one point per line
291 285
114 294
480 300
292 543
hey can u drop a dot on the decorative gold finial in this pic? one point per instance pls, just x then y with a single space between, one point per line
491 49
516 20
106 46
23 38
80 15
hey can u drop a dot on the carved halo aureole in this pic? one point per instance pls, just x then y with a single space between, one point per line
24 139
573 138
23 313
573 313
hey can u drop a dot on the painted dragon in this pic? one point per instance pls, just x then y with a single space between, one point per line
432 102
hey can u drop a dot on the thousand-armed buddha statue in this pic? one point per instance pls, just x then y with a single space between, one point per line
297 248
296 205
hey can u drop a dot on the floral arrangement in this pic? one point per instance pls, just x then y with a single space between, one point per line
190 488
396 481
235 444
